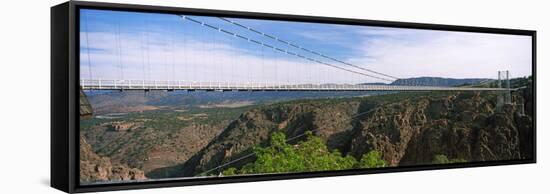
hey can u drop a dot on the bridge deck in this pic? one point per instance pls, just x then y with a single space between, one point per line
228 86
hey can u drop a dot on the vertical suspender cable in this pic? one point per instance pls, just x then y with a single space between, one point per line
222 65
277 69
88 46
184 47
148 55
165 52
198 59
250 63
213 51
288 73
194 54
263 66
119 51
204 49
172 50
308 69
143 58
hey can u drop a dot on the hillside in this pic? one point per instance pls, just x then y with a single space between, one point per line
155 139
405 128
254 126
94 168
463 126
436 81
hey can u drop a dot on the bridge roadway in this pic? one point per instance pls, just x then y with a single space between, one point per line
229 86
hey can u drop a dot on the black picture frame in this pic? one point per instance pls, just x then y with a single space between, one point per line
65 92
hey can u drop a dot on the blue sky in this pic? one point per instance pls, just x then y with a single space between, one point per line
143 46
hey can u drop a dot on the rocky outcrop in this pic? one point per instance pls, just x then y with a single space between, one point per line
405 128
94 168
121 126
412 131
331 121
86 110
462 126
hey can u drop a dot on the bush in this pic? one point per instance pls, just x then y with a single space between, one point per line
442 159
372 160
306 156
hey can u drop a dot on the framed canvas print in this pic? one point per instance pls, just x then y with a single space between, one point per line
148 96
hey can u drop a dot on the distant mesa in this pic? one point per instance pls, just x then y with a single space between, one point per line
374 84
433 81
437 81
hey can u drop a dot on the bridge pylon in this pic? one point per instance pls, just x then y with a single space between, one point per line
505 96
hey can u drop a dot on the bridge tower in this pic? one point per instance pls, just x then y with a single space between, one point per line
504 97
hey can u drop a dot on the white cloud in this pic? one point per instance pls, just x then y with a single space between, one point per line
413 53
195 60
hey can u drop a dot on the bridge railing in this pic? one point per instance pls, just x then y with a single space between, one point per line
100 84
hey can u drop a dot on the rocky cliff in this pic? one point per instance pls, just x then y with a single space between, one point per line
463 126
407 131
94 168
253 127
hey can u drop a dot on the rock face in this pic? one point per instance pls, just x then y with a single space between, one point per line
86 110
330 120
94 168
122 126
148 148
462 126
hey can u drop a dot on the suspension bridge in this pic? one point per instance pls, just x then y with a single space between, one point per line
148 85
312 70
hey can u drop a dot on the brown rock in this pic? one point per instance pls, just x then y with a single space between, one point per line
463 127
94 168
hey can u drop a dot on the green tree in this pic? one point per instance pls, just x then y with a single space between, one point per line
306 156
230 171
372 159
443 159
